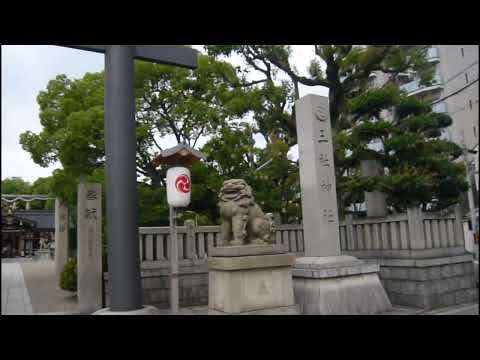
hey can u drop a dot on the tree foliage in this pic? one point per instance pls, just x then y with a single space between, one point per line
219 103
18 186
420 165
344 69
185 105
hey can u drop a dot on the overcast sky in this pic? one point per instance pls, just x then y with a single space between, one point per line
26 70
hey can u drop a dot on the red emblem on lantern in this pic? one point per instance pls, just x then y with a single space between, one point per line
182 183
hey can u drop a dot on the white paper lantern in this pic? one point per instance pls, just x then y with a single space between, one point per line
178 187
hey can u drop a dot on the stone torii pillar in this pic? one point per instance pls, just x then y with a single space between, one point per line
126 294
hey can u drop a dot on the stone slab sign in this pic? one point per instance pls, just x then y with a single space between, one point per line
61 235
326 283
89 237
246 284
317 176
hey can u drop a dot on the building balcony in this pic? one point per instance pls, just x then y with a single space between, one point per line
440 107
414 87
432 55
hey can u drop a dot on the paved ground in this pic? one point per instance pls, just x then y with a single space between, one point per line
465 309
31 287
42 284
15 297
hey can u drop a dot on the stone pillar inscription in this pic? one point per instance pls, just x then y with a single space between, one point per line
317 176
61 235
89 255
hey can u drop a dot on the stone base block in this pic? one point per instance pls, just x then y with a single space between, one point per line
338 285
193 286
240 285
248 250
475 270
42 255
146 310
430 283
286 310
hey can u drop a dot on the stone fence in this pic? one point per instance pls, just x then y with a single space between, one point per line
411 235
195 243
392 236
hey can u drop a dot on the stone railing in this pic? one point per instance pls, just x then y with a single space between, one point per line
414 234
195 243
393 236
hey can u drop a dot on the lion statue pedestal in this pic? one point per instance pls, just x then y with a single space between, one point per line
249 274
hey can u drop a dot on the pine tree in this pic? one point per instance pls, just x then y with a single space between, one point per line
420 166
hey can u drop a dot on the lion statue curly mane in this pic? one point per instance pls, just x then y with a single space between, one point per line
243 221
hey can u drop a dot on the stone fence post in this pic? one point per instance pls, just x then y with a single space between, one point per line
190 251
415 227
459 238
351 233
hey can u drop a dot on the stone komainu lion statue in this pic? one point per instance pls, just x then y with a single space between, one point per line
243 221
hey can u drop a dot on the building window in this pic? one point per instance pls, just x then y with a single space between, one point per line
470 103
463 54
466 77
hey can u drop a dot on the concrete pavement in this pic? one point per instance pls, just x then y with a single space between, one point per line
15 297
31 288
42 284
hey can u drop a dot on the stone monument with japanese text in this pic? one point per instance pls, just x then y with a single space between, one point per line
89 252
325 282
61 235
317 177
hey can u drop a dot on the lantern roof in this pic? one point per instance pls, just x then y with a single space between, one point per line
182 154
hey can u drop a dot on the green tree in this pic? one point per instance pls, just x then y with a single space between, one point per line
344 69
184 104
187 104
232 154
43 186
420 165
15 186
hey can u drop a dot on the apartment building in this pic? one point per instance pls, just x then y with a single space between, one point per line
454 89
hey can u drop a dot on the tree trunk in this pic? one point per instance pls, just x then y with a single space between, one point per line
375 201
